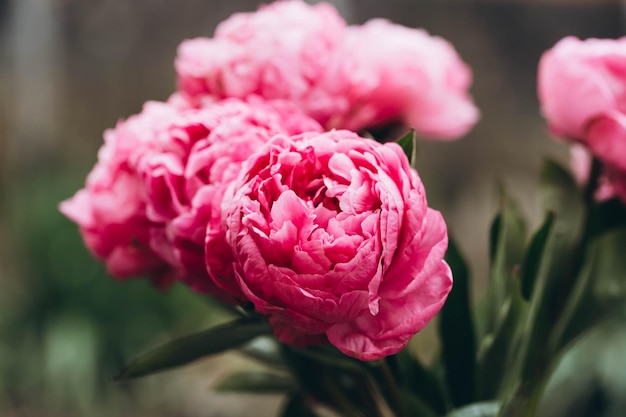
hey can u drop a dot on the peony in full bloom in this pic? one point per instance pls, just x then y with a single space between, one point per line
159 181
332 239
355 77
111 209
582 90
395 73
279 52
579 81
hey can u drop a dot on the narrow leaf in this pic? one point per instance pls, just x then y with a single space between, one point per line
509 248
559 264
531 361
259 382
186 349
508 234
495 350
408 143
456 330
558 187
502 308
494 237
532 260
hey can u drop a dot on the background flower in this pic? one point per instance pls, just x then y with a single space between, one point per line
160 178
332 237
355 77
582 89
281 51
394 73
579 81
111 209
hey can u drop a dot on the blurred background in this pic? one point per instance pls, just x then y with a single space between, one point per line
70 69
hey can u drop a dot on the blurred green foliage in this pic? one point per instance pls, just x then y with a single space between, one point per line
65 326
590 381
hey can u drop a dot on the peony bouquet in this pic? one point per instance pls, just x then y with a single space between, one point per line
272 180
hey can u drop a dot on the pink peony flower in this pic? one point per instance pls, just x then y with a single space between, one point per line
111 209
164 172
582 89
606 139
332 239
187 173
579 81
281 51
397 73
354 78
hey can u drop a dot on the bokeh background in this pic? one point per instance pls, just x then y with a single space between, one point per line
70 69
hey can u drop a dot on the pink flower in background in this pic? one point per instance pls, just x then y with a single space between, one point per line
161 175
606 138
344 77
281 51
579 81
332 238
582 89
111 209
394 73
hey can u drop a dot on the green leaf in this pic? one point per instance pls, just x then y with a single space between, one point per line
508 236
558 268
259 382
296 406
532 260
456 330
600 290
420 381
557 189
186 349
494 237
484 409
408 143
500 311
496 349
509 249
531 362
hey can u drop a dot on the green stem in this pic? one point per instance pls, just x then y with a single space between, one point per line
391 385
